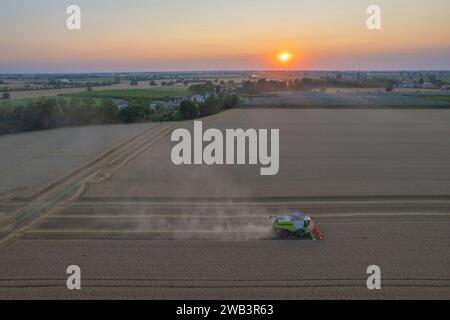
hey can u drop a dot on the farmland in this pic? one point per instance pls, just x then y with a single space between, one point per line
116 190
151 93
373 180
346 98
250 152
438 98
23 94
24 101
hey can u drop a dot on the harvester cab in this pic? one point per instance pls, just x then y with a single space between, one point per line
297 225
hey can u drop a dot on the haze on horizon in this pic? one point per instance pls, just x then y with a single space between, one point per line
179 35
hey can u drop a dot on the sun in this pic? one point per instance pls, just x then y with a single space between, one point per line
284 56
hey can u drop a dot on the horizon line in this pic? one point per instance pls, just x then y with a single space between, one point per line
225 71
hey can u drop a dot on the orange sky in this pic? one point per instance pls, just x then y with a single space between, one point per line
145 35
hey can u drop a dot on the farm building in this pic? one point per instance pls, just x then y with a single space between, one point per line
167 105
120 103
200 98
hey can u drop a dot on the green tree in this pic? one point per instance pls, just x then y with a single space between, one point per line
37 115
211 106
136 111
202 88
109 111
231 101
189 110
390 88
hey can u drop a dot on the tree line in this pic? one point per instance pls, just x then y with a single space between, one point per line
59 85
308 84
215 104
47 113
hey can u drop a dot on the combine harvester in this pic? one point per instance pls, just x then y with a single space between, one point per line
297 225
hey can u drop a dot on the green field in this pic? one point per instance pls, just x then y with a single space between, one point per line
23 101
437 98
151 93
15 102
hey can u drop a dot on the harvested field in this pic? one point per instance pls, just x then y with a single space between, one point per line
323 153
376 181
29 161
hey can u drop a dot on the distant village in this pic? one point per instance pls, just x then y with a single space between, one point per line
403 79
221 89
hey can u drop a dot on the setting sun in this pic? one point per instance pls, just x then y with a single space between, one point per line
284 57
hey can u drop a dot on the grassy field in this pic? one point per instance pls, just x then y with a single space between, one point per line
151 93
15 102
17 95
23 101
351 99
437 98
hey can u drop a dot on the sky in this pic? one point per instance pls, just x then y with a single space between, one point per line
183 35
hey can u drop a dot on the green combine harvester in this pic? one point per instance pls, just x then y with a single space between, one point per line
297 225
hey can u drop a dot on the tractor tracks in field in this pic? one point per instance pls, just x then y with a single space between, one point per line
75 183
209 283
71 187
